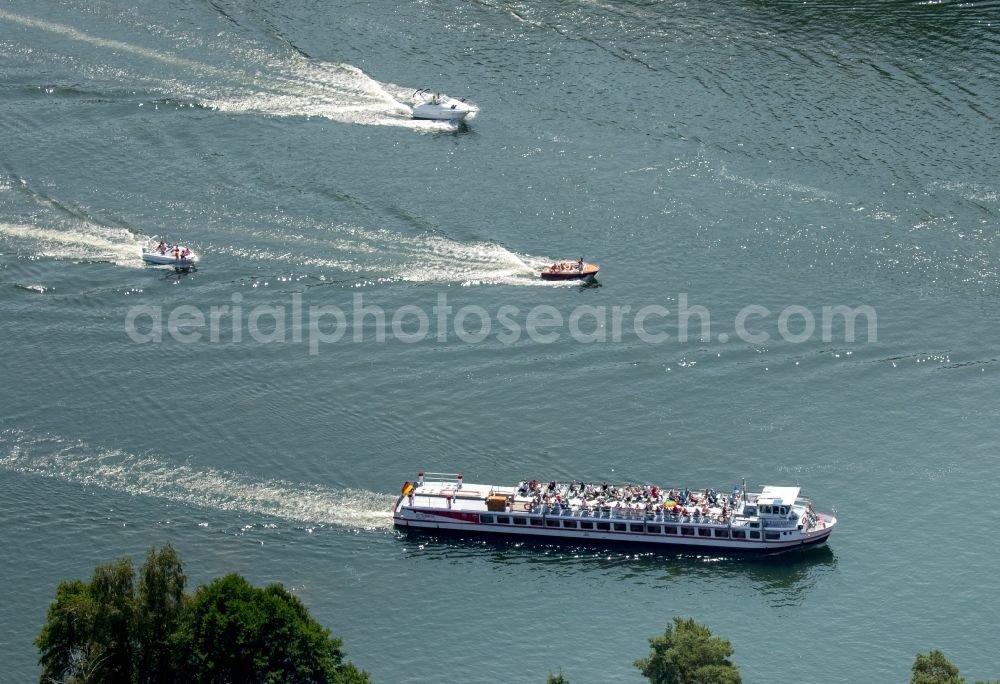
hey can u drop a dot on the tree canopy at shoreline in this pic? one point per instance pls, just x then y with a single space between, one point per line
934 668
687 653
115 629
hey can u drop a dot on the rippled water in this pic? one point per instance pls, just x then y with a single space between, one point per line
740 153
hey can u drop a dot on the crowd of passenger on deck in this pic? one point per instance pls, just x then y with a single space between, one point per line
633 499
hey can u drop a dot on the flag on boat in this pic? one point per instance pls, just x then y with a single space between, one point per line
407 489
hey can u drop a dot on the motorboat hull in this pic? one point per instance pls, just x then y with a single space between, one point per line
440 113
443 108
168 259
589 271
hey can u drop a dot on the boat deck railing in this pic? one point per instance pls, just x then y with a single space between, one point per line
442 477
658 515
661 516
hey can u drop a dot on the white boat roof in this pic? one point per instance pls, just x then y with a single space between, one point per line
778 496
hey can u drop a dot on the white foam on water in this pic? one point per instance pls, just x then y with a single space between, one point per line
96 41
438 259
250 81
395 256
77 242
153 476
384 254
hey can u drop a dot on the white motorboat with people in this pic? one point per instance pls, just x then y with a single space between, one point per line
773 520
440 107
178 256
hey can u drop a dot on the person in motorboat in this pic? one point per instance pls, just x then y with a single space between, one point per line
438 106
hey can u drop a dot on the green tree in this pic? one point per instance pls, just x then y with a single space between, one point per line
934 668
67 651
557 678
159 606
687 653
234 632
112 589
87 635
108 631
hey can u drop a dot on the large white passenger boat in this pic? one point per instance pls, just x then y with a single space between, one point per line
773 520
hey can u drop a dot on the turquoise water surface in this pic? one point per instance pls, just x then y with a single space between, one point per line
734 167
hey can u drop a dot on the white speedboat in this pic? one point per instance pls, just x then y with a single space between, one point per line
440 107
177 256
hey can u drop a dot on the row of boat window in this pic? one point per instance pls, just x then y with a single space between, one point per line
629 527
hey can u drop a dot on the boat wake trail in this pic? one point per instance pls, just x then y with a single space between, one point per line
228 73
150 475
379 254
59 231
433 258
44 226
78 242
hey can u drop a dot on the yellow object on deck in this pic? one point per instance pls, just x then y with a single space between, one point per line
497 502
